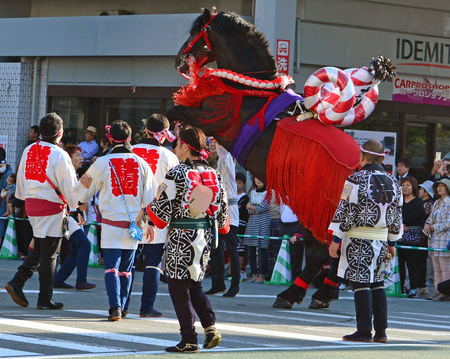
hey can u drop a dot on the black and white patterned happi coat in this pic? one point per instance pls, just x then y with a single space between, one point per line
188 250
370 198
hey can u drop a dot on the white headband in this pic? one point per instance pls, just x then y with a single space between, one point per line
373 153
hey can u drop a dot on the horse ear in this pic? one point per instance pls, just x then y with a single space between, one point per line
206 15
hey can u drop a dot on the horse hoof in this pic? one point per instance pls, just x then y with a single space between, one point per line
317 304
282 303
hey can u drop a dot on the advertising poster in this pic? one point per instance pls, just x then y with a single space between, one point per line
421 89
388 139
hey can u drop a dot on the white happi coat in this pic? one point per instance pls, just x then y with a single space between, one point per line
370 198
31 183
227 169
139 187
188 250
160 160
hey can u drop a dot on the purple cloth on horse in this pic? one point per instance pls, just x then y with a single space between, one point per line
249 134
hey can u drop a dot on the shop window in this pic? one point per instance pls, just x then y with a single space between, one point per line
443 139
131 111
80 112
77 114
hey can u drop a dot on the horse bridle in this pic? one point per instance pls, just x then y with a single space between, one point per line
203 33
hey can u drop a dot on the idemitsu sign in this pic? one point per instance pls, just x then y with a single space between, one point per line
422 89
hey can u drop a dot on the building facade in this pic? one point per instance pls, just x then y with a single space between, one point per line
96 61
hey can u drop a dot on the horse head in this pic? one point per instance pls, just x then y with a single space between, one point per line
229 40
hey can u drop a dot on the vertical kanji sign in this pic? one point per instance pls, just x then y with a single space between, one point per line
283 49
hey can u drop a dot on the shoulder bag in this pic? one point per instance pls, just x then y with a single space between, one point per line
135 231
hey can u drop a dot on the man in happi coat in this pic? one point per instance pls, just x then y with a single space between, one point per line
191 197
160 160
45 181
125 184
368 221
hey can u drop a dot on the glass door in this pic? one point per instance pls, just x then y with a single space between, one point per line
417 148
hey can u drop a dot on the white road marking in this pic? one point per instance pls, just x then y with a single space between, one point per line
87 332
5 353
242 329
426 315
90 348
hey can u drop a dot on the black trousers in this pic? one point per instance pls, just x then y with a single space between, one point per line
218 262
45 252
296 249
414 260
188 298
24 235
370 300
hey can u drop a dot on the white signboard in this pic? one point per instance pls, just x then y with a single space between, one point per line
388 139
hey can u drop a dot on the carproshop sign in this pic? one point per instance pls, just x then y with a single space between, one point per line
421 89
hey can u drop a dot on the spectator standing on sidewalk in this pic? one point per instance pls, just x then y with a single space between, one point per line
258 225
438 228
243 218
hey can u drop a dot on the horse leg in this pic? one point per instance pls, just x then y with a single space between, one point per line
328 291
316 254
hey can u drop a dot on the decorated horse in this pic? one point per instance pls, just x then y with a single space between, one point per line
289 142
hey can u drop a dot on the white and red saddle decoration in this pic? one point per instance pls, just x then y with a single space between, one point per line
341 97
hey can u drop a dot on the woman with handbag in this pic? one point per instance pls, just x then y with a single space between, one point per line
413 219
126 184
438 228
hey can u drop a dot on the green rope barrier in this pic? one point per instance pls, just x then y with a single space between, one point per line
15 218
422 248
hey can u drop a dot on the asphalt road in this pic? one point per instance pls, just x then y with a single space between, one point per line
250 327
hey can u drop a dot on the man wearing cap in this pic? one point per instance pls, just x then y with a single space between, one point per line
160 160
89 148
368 220
5 171
190 200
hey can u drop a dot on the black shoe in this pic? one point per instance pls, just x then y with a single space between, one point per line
152 314
84 286
232 292
115 314
182 347
16 294
358 337
380 336
62 285
51 305
212 337
287 298
215 291
317 304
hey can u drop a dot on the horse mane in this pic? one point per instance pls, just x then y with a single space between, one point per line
228 23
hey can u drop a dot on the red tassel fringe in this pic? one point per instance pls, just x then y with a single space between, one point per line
307 177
